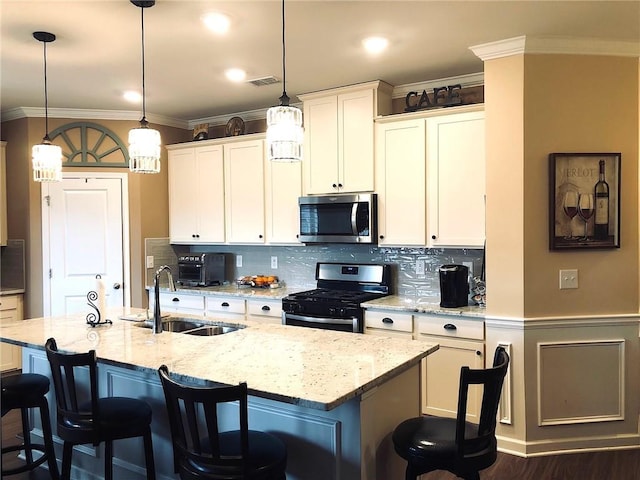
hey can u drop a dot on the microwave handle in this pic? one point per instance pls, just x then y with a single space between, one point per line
354 218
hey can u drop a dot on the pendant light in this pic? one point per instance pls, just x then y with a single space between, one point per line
284 122
46 158
144 142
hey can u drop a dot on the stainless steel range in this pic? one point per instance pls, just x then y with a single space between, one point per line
335 304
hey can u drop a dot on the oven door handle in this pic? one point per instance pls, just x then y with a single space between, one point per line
336 321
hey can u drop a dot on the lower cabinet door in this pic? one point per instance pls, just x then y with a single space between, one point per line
441 377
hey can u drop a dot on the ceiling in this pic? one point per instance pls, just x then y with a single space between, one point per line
97 54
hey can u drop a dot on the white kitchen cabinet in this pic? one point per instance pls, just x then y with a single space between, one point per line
339 137
401 182
221 307
461 344
456 176
3 194
196 195
11 308
244 191
176 302
283 186
388 323
264 310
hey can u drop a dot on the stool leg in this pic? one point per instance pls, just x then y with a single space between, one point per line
66 460
48 439
24 412
108 460
148 455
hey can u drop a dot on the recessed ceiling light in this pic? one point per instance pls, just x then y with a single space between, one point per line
217 22
375 45
235 74
131 96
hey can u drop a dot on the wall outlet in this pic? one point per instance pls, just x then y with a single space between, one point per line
149 261
420 267
238 260
568 279
274 262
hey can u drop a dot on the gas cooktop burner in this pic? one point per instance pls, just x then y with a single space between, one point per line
326 294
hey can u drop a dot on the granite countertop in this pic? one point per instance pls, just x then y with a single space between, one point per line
233 290
423 305
314 368
11 291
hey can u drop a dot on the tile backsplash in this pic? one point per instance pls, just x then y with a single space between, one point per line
415 270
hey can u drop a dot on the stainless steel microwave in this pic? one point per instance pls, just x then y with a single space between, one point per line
339 218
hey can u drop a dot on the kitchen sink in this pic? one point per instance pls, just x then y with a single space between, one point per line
191 326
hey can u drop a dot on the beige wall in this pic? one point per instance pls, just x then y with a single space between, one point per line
536 105
148 201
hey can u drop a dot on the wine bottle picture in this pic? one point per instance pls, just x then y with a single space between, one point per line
601 194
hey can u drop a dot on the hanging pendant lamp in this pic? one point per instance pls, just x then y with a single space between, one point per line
46 158
284 122
144 142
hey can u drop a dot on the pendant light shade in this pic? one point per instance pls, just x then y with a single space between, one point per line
284 122
46 157
144 142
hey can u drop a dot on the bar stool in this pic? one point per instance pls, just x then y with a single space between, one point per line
25 391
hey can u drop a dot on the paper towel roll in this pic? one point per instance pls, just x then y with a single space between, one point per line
101 290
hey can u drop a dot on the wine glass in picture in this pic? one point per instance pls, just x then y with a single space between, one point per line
570 207
585 210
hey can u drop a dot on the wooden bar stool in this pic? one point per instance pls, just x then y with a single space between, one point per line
25 391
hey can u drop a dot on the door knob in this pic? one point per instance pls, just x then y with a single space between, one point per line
116 286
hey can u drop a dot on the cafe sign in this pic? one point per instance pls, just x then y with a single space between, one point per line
442 97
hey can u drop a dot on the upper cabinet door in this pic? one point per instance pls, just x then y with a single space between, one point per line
401 182
283 186
196 195
456 176
3 195
320 154
244 191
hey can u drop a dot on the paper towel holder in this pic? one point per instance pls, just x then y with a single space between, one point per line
94 319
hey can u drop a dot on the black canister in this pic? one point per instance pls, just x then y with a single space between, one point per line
454 286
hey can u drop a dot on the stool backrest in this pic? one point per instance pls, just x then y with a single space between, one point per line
491 379
193 417
75 405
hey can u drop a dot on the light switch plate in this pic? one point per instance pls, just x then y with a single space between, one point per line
420 267
274 261
149 261
568 279
238 260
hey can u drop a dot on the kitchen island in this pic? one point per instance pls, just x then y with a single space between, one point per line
333 397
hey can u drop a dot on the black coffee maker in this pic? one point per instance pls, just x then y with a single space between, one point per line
454 286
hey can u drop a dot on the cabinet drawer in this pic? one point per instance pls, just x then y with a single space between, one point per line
181 301
268 308
389 333
387 320
9 302
450 327
225 305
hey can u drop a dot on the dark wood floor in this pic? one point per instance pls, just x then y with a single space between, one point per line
612 465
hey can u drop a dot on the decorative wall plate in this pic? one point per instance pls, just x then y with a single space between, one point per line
235 127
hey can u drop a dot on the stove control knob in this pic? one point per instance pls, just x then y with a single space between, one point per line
332 311
343 312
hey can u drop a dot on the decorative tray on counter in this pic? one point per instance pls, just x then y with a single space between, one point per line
258 281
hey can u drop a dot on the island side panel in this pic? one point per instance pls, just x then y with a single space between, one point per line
381 410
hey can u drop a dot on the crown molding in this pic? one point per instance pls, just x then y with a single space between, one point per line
555 45
83 114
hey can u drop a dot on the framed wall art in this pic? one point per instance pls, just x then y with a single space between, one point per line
584 200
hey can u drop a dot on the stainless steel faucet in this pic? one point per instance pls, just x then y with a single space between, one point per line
157 316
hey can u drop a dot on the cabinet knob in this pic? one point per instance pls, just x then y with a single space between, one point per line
335 185
175 299
340 185
450 326
478 352
116 286
433 237
266 308
387 320
224 304
381 237
193 235
259 236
